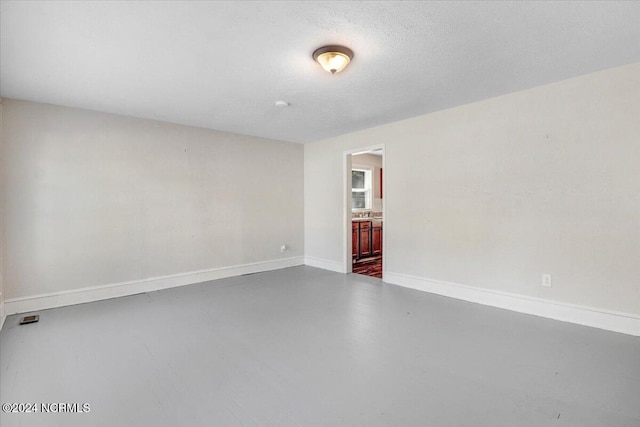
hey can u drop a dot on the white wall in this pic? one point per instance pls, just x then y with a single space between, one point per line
94 199
496 193
2 315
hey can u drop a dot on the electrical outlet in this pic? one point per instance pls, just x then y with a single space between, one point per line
546 280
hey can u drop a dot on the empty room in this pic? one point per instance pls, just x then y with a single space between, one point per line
310 213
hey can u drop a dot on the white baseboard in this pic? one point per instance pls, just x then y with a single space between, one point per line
115 290
611 321
324 264
2 313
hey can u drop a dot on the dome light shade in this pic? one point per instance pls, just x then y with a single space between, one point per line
333 58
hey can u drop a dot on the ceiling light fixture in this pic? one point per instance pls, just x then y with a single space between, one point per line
333 58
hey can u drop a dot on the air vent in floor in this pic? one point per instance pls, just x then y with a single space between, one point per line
29 319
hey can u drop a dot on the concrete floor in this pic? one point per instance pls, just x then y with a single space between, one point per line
308 347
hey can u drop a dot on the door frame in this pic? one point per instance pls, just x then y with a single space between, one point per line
346 206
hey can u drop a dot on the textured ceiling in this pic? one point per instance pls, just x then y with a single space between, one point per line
222 65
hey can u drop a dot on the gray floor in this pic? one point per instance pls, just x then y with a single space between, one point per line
308 347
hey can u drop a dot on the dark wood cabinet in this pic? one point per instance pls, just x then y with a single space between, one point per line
354 240
366 239
376 234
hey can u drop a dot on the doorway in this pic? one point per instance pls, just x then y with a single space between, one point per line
364 211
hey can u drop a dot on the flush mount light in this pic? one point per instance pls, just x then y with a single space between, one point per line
281 104
333 58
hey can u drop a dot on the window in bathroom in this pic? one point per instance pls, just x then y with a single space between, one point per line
361 189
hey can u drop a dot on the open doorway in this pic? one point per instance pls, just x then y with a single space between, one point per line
365 211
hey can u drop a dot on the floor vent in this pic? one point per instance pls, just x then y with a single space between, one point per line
29 319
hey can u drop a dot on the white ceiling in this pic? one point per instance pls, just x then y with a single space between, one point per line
222 65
